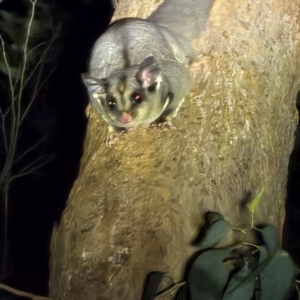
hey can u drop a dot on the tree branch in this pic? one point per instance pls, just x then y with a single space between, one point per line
21 293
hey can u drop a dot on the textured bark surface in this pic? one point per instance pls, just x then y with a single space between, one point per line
135 207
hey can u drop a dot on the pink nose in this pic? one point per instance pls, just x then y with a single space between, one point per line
125 118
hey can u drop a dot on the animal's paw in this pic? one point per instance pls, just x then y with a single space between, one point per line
113 137
167 124
142 126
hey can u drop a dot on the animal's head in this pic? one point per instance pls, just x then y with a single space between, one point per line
130 97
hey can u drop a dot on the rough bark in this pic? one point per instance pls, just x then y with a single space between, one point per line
135 207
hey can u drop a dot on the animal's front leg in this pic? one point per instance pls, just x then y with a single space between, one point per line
112 136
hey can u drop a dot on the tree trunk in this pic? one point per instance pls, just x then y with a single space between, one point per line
136 207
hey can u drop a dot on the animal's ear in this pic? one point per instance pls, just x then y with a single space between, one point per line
94 86
148 72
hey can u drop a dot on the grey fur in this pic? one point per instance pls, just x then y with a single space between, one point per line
187 17
145 60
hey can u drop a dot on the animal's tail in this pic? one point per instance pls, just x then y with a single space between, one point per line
185 17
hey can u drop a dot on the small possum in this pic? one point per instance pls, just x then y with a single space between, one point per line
138 67
141 94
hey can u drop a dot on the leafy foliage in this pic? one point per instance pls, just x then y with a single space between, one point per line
241 272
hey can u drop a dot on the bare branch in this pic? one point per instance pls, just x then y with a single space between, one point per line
33 2
38 86
38 64
33 166
35 92
6 188
29 150
15 119
10 154
5 287
3 129
7 67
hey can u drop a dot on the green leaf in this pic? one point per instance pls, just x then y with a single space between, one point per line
217 228
208 275
263 262
213 216
277 279
156 282
263 255
181 293
245 290
271 238
254 203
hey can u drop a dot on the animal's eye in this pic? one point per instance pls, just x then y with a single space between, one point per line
136 98
112 104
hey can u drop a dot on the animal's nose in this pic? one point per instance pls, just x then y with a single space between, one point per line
125 117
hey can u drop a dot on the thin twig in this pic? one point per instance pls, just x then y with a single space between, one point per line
29 150
12 91
5 242
17 113
32 167
7 66
3 130
38 64
15 120
33 2
5 287
35 92
38 86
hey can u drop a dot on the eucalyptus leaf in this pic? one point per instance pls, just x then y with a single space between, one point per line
213 216
208 275
263 262
277 279
181 293
245 290
263 254
254 203
217 228
154 282
271 238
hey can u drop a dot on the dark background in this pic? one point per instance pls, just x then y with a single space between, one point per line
37 200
